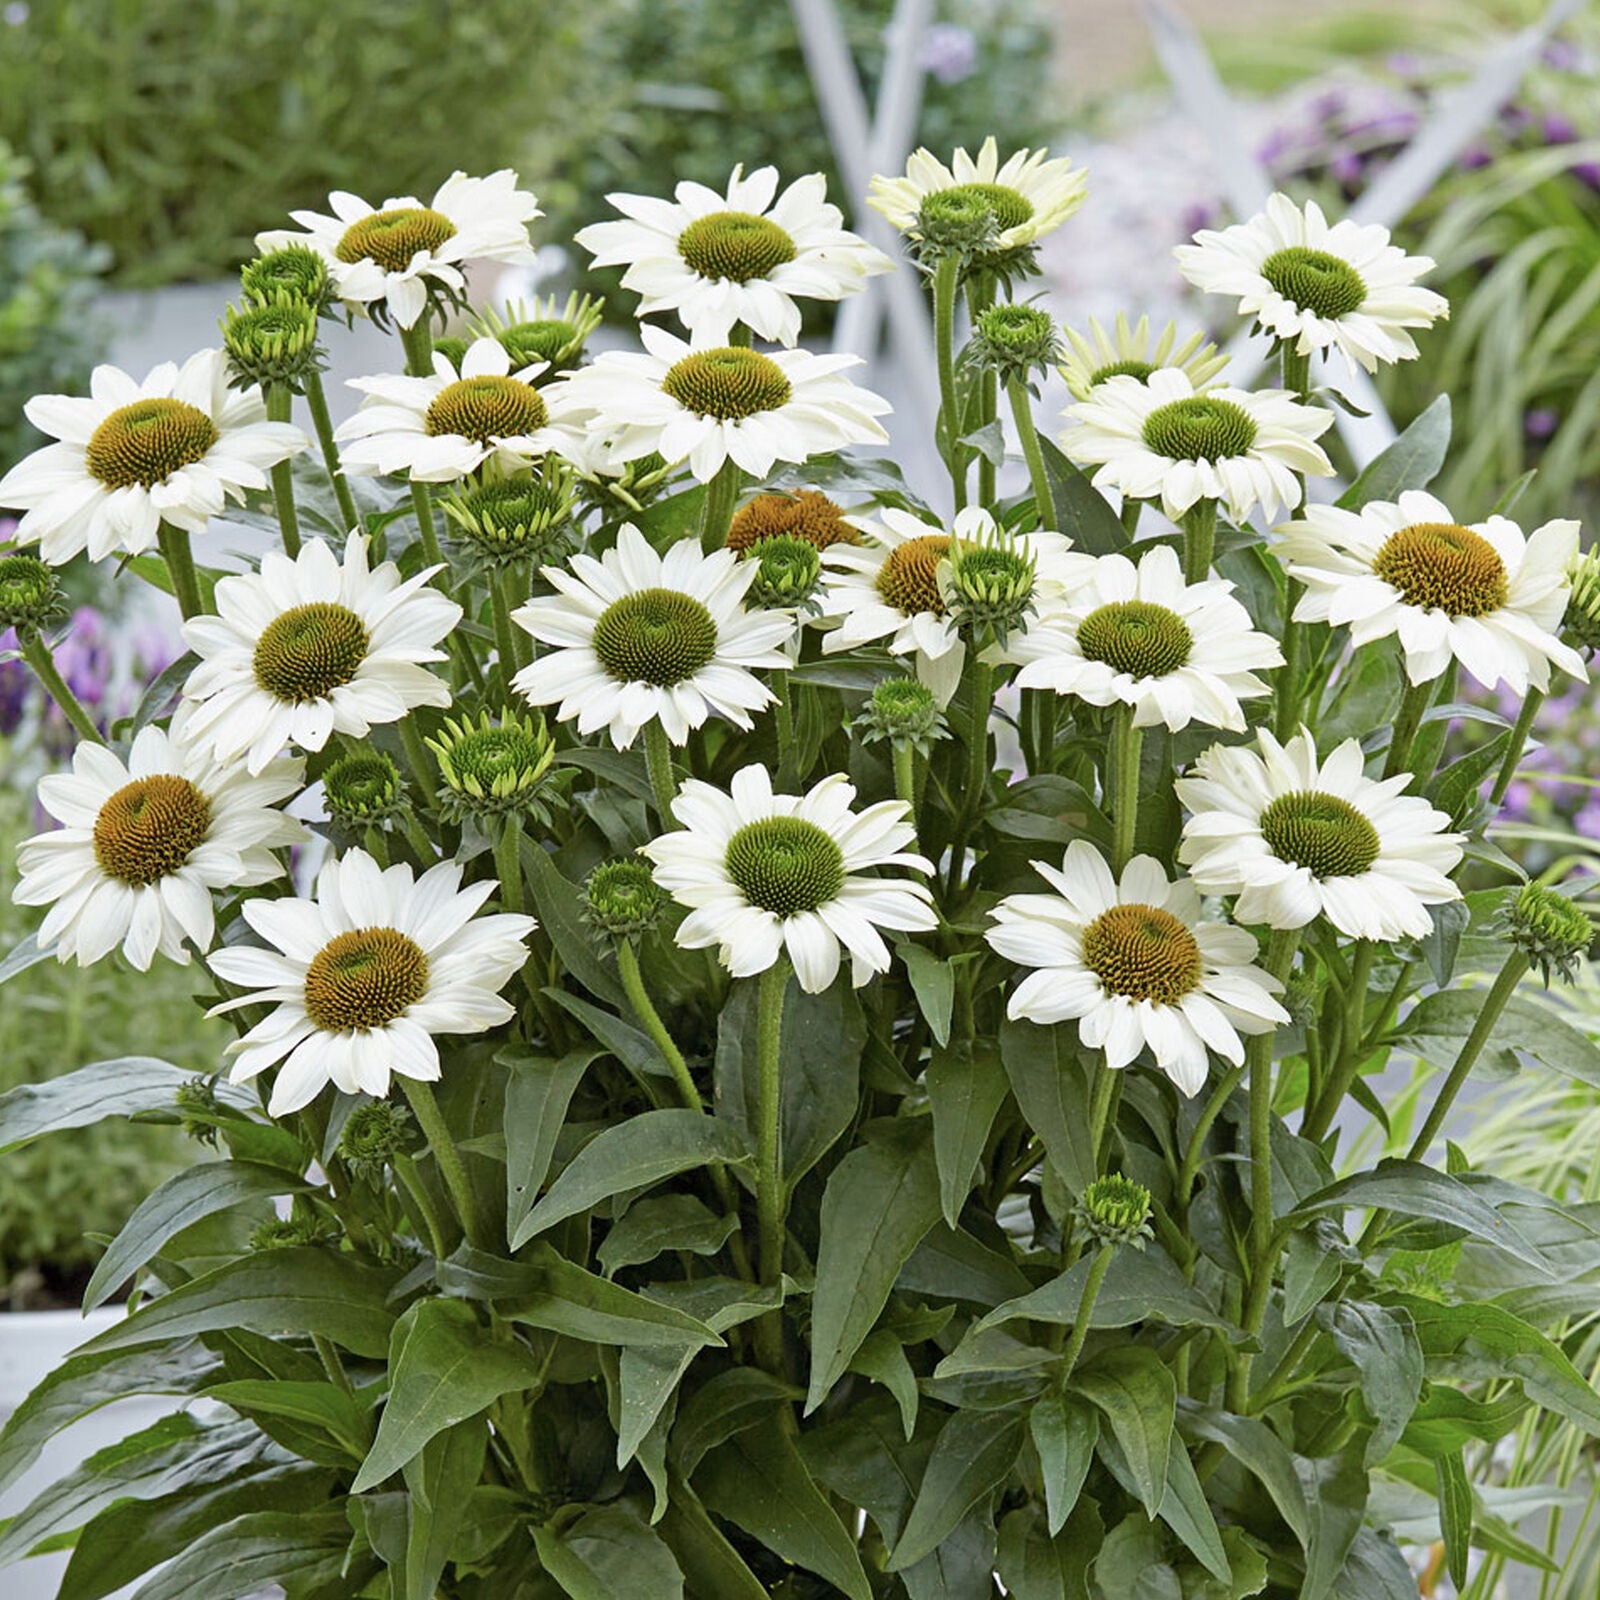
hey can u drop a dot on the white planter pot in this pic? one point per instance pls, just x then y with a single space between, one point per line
32 1344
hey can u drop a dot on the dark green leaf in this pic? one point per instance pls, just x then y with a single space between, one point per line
1455 1514
1065 1432
297 1551
301 1289
1411 462
1138 1286
952 1265
966 1087
606 1552
633 1155
710 1564
439 1483
731 1402
183 1199
880 1201
1184 1509
1051 1084
757 1481
1081 511
933 981
443 1368
1135 1393
668 1222
1379 1342
322 1405
882 1357
1038 1565
559 903
538 1091
973 1456
559 1295
631 1047
1261 1453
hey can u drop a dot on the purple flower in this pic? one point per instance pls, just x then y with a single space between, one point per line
1562 55
1587 821
949 52
1587 172
1328 105
1559 129
1200 214
1541 422
1474 157
1347 168
16 685
1403 64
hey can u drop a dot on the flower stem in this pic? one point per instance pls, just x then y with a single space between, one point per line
179 558
1091 1293
980 296
1126 744
1287 711
1022 413
1296 370
317 400
431 1120
418 342
1319 1117
946 277
1518 742
783 717
508 862
1220 1096
658 758
982 687
432 555
1130 515
505 638
1199 540
769 1151
280 408
905 775
37 654
644 1007
1413 703
716 511
417 757
411 1180
1103 1106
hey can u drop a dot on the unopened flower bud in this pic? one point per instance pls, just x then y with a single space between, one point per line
1116 1211
493 770
374 1134
1550 930
789 570
988 585
30 594
955 222
1015 340
293 273
545 331
1582 620
271 342
622 899
904 712
364 791
522 519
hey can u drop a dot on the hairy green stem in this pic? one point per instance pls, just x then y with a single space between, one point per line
1516 745
658 758
1022 413
1319 1117
1091 1293
417 758
769 1151
644 1008
905 775
1126 744
440 1140
179 558
1130 514
508 861
405 1170
1209 1113
1413 706
1199 540
280 408
980 296
505 636
322 423
946 278
1288 713
37 654
716 510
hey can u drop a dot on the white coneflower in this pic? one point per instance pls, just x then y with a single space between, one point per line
1130 353
364 976
640 637
1134 966
766 873
711 404
1485 595
1161 438
1139 635
718 260
1296 838
1316 286
387 256
143 845
309 647
175 448
443 427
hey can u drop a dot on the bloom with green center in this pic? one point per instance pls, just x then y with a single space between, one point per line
634 637
387 261
1141 636
144 845
292 273
746 256
764 874
510 521
710 404
1484 595
363 977
1129 352
30 594
1159 438
175 448
1296 838
1028 195
1131 963
311 647
1551 930
551 333
364 790
449 425
621 899
493 769
893 586
1316 287
272 342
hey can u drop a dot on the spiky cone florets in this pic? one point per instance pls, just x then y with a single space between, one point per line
271 342
903 711
547 330
523 520
284 1233
621 899
497 769
30 595
1116 1211
988 586
374 1134
805 514
630 486
1015 341
199 1109
292 272
1581 623
1552 931
954 222
362 791
788 572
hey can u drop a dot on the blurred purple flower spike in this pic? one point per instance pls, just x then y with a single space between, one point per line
949 52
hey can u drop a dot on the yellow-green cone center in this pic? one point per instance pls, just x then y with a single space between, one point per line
392 238
486 408
735 245
1320 832
1121 369
727 383
1199 428
487 754
909 577
364 979
1444 566
1010 209
1136 637
785 865
656 636
542 339
1323 284
1142 952
146 442
307 652
149 827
